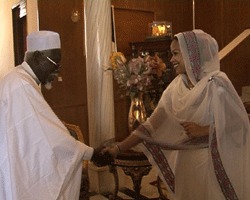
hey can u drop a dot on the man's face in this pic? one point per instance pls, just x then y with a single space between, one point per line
48 66
54 72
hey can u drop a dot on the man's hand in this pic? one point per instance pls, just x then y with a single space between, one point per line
100 158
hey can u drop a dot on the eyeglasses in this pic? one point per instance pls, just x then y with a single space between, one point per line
58 65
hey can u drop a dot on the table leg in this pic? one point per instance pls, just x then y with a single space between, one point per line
136 174
113 170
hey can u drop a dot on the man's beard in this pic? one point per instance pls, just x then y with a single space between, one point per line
48 85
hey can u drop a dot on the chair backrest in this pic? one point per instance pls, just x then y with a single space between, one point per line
76 132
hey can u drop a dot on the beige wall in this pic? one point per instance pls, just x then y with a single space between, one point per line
6 34
32 16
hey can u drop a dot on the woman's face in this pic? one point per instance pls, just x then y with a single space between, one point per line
177 59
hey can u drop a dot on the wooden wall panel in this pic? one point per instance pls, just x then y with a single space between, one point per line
76 114
131 26
179 12
236 66
225 20
69 97
209 18
146 5
236 15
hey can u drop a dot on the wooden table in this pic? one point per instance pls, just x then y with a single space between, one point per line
136 165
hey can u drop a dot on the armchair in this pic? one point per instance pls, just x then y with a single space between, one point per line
76 132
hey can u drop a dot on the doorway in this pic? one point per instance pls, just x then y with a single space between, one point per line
19 23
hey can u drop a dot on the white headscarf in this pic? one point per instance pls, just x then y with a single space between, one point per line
200 54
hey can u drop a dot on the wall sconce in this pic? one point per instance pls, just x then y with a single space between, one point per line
75 14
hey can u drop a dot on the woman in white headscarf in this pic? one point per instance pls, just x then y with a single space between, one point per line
198 136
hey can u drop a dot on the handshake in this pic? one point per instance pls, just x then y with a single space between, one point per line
101 157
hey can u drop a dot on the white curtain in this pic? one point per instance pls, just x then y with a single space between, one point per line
98 43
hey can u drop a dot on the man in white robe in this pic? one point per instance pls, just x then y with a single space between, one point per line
38 157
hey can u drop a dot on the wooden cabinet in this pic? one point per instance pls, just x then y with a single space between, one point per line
155 46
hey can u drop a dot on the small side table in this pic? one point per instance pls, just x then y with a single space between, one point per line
134 164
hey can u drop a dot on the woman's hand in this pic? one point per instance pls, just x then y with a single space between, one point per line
123 146
100 158
114 150
194 130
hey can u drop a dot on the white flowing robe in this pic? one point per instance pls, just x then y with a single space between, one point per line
38 158
216 167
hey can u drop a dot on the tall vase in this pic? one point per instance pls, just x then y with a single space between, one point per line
137 112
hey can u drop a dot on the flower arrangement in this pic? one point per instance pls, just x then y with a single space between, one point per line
147 75
141 74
